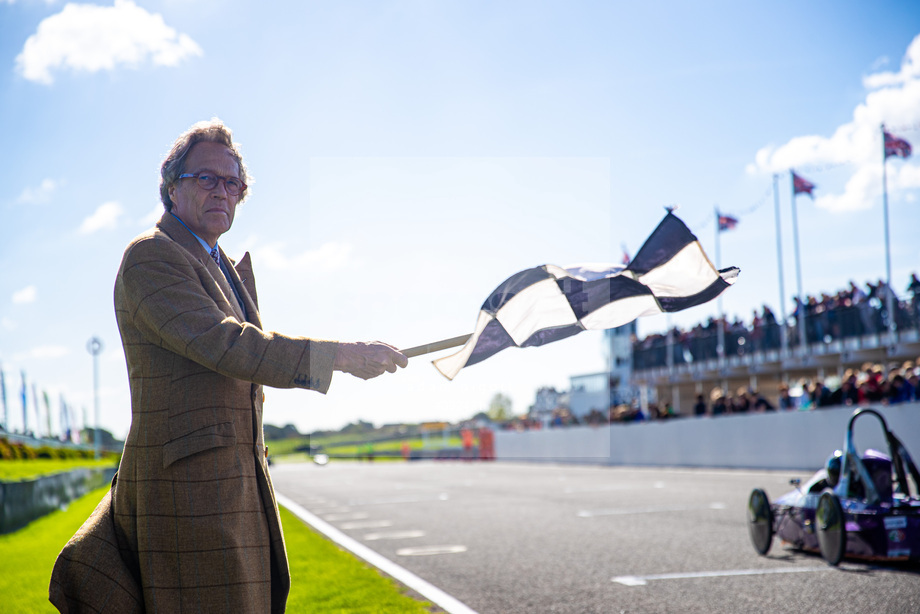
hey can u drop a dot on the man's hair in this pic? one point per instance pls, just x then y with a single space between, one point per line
213 131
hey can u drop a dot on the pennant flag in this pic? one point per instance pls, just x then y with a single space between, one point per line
548 303
47 400
800 185
727 222
896 147
626 258
6 424
65 420
24 393
38 410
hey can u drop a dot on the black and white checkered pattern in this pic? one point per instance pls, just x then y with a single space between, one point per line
547 303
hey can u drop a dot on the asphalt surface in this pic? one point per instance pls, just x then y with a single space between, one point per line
531 538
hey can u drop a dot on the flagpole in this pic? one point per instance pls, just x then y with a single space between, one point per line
890 300
798 268
784 340
95 348
720 348
436 346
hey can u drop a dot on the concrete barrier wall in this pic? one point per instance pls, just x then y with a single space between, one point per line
23 502
787 440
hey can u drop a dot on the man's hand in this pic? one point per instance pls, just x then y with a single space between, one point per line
367 360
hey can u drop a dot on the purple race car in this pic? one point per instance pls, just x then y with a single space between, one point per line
857 506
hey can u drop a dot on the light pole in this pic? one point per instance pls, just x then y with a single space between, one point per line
95 348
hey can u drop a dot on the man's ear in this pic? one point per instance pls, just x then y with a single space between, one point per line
172 193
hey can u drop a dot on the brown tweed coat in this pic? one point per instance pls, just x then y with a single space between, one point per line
193 513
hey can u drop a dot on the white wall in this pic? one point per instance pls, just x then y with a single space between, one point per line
787 440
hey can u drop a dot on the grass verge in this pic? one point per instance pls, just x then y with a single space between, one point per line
27 556
15 470
324 577
283 447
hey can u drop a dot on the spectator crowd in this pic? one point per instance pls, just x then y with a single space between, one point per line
868 385
850 312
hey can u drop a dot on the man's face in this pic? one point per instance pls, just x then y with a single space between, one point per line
208 213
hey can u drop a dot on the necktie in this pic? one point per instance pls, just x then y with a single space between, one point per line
239 300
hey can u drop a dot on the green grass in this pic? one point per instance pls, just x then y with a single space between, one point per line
15 470
282 448
287 446
27 556
324 578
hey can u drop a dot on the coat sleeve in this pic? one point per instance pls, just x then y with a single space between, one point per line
170 298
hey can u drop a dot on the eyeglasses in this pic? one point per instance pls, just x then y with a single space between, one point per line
208 181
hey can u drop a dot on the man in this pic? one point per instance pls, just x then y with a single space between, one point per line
192 524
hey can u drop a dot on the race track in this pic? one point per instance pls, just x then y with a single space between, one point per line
531 538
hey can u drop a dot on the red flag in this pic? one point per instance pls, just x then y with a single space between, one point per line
626 258
801 185
727 222
896 147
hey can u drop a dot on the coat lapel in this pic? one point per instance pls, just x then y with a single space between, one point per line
181 235
241 274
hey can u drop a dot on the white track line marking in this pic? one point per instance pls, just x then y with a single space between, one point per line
366 524
332 510
649 510
370 537
400 499
643 580
429 550
450 604
349 516
610 487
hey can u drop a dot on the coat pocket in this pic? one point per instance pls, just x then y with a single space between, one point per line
211 436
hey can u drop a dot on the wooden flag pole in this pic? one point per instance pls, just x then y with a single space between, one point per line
443 344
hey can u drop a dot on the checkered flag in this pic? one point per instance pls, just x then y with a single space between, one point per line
548 303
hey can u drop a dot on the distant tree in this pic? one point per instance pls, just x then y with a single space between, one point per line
288 431
106 439
357 427
499 408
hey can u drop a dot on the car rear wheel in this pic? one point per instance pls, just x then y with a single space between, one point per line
831 525
760 521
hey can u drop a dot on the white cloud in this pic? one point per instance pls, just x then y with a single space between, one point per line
910 69
49 351
104 218
893 99
40 194
26 295
879 62
7 324
153 217
330 256
87 37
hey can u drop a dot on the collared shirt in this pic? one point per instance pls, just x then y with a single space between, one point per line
220 264
204 243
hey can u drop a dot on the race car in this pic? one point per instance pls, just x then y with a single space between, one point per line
858 506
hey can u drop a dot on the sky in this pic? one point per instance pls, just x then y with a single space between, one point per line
409 156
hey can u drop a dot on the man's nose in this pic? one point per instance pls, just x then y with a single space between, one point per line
221 188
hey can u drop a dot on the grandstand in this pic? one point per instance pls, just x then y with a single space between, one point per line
845 331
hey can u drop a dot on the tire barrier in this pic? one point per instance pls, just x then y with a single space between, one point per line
23 502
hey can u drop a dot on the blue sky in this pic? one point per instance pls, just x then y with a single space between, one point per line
409 156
